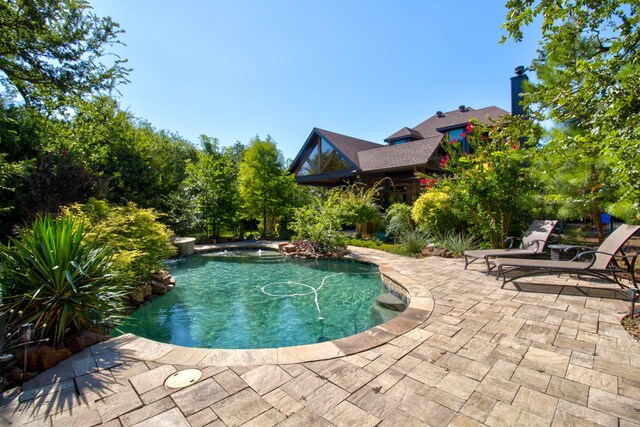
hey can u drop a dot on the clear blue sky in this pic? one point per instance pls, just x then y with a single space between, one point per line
235 69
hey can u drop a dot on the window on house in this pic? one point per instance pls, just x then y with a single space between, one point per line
401 140
323 158
455 134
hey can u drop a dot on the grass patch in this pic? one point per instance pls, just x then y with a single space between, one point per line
377 244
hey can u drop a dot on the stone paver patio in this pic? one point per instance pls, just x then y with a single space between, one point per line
545 351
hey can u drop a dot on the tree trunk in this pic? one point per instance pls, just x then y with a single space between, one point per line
264 221
599 226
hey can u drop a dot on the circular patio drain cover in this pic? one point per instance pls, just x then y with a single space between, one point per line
183 378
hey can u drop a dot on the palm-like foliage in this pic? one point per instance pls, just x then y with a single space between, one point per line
56 277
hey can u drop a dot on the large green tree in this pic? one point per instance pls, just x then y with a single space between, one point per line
267 190
98 151
211 186
593 47
53 52
575 181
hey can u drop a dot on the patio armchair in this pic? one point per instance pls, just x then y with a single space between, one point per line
601 262
533 242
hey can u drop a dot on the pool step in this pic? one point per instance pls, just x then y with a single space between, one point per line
391 302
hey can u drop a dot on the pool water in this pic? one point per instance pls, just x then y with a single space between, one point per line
251 299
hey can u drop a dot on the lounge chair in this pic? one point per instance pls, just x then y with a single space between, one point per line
600 263
533 242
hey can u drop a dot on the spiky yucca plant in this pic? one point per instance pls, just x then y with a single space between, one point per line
54 276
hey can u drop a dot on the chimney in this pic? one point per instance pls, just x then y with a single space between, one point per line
517 82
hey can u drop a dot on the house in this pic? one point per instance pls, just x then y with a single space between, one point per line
329 158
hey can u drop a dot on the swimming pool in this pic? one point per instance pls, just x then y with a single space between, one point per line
256 299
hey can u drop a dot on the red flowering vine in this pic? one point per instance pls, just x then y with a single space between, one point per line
443 162
428 182
469 127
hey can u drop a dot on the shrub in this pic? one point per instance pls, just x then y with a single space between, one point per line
141 243
489 189
320 222
399 220
455 243
59 278
413 242
355 204
432 211
377 244
317 224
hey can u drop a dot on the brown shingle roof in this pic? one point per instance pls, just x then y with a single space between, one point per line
403 133
347 145
369 156
429 127
413 153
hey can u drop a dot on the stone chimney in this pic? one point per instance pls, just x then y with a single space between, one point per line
517 82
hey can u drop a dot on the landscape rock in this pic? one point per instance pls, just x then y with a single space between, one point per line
43 357
290 248
158 288
147 290
161 276
82 340
137 297
15 376
438 252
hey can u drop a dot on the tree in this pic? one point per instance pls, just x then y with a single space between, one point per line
594 49
52 52
575 180
212 184
266 188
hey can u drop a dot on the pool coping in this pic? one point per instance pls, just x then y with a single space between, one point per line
420 307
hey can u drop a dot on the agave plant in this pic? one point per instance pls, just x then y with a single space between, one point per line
414 241
58 279
456 243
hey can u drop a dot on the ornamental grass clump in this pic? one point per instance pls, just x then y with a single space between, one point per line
456 243
414 241
57 278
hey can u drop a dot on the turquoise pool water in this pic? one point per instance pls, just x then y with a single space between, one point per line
246 299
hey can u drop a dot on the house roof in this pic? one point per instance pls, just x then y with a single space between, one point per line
348 146
433 125
412 153
369 156
403 133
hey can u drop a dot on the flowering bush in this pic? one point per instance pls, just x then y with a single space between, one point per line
488 190
432 211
